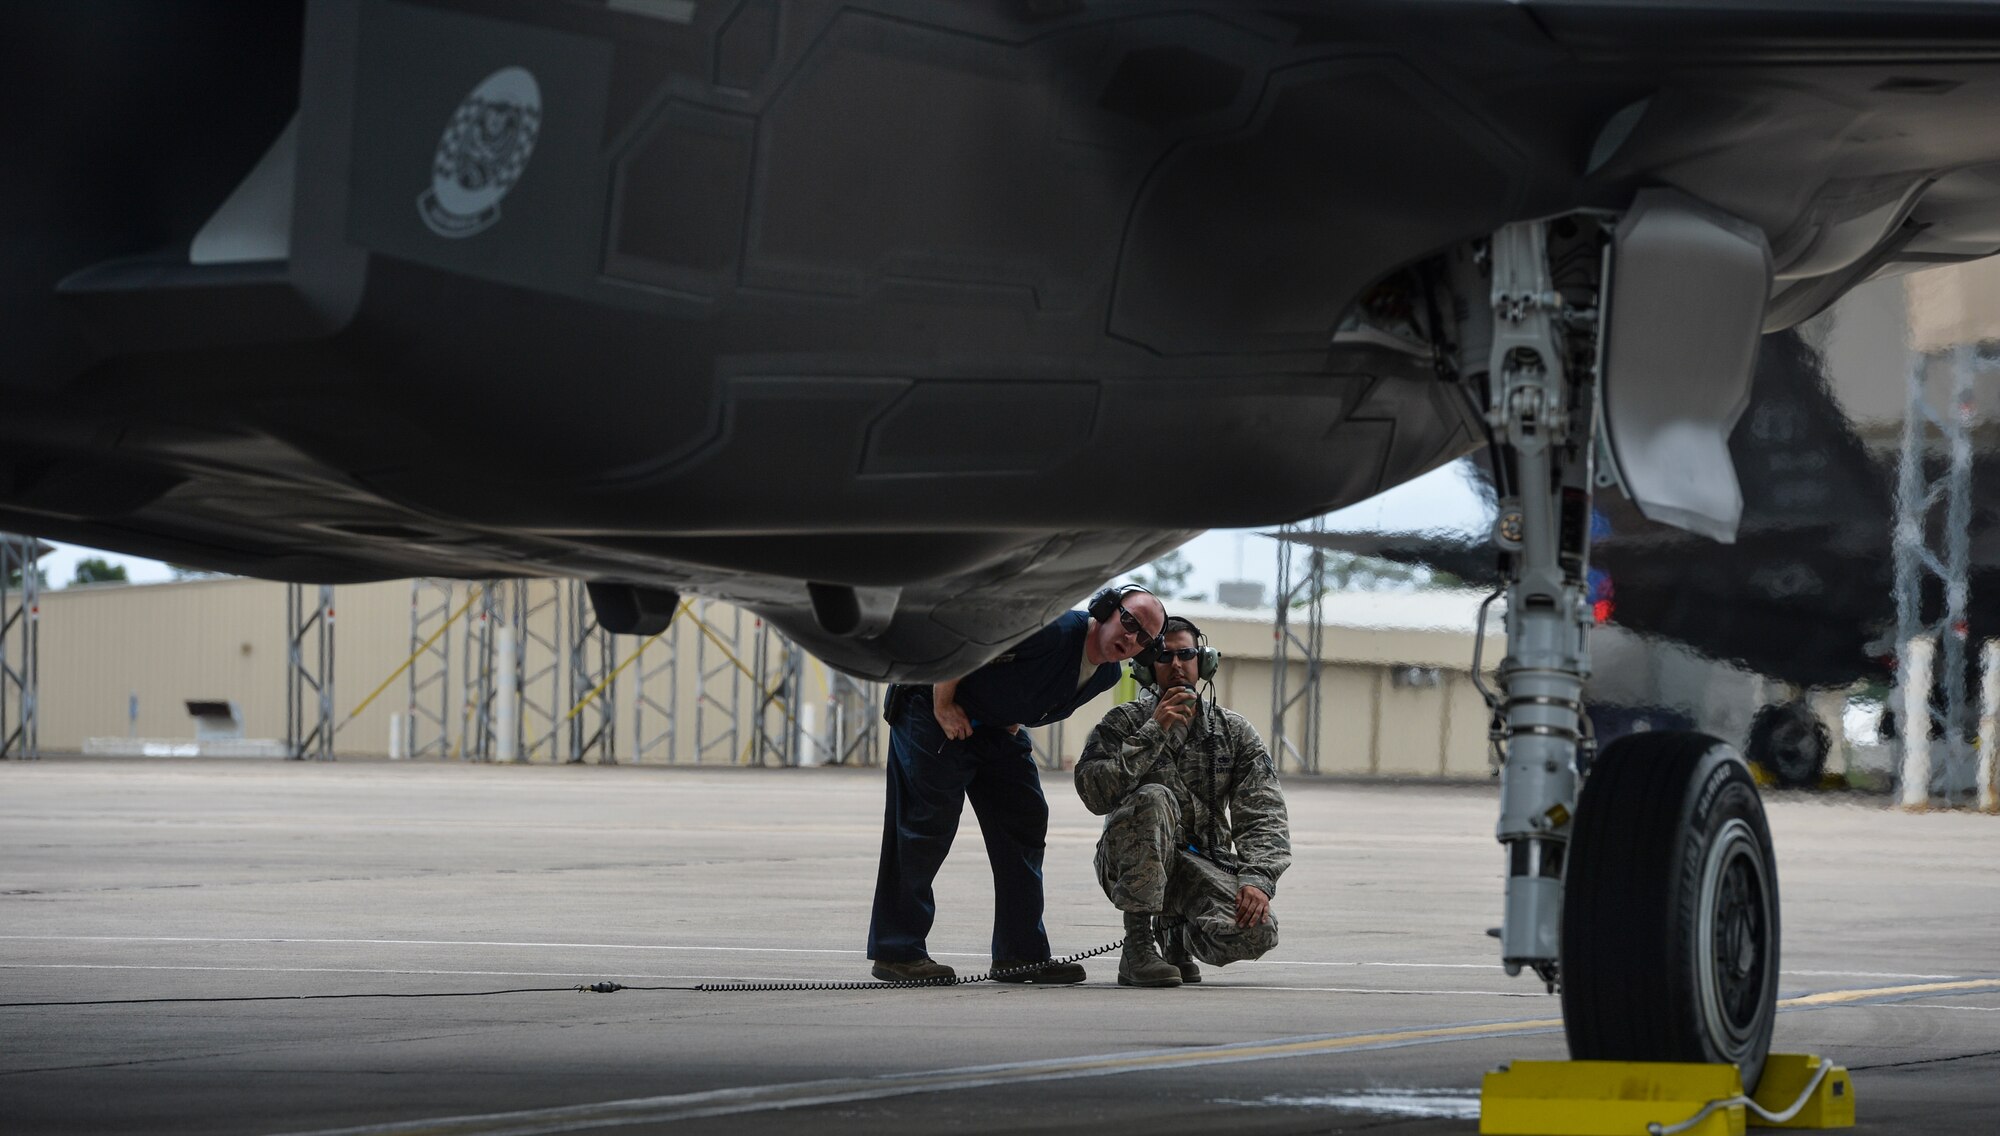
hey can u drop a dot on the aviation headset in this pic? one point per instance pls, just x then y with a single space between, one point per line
1209 662
1106 602
1206 666
1105 605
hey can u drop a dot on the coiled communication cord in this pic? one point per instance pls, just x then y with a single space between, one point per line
910 984
606 987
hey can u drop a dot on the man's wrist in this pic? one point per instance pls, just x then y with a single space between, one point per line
1267 886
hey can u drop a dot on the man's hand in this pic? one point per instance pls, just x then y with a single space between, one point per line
944 707
1175 708
1252 906
956 725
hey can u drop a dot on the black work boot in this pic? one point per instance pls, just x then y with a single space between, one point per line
1174 948
1141 964
916 970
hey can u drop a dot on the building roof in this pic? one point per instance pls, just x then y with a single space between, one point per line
1434 609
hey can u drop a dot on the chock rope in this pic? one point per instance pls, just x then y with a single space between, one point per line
911 984
1714 1106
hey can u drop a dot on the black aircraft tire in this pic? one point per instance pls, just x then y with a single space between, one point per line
1791 744
1670 908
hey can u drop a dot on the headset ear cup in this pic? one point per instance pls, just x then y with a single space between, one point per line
1147 656
1102 604
1211 661
1142 674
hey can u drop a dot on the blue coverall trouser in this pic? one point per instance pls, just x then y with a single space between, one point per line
930 779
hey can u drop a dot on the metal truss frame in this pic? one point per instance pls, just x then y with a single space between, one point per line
711 679
780 668
309 723
593 724
1941 552
1301 585
478 647
541 659
20 648
853 719
427 729
1046 744
656 674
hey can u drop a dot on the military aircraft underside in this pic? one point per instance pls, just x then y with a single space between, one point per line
863 314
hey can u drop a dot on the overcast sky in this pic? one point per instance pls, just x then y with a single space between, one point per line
1441 500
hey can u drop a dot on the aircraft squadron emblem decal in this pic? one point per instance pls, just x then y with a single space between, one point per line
484 149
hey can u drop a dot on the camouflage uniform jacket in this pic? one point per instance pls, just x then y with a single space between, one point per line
1236 818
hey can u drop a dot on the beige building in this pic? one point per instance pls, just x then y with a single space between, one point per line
1876 333
1396 693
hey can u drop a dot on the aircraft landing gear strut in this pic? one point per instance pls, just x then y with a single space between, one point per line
1541 417
1649 891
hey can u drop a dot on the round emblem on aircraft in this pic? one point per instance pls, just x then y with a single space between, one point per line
484 149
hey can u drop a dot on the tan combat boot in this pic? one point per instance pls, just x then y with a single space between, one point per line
1141 964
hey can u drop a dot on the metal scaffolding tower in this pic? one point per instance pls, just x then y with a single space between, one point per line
853 715
427 729
1046 744
593 724
475 718
718 676
1301 584
540 662
656 697
779 666
309 721
1940 552
20 645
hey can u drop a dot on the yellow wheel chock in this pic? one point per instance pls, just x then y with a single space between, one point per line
1658 1098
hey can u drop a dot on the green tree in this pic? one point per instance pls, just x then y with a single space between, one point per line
1351 572
1166 576
14 579
97 570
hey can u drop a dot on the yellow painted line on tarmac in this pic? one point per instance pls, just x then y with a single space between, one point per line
809 1094
1838 997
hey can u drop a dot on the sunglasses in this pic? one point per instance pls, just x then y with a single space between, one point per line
1184 654
1132 625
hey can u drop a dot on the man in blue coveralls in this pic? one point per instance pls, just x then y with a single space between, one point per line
962 740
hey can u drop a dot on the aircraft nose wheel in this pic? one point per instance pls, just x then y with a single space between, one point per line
1670 908
1791 743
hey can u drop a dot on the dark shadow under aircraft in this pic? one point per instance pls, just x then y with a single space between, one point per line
861 315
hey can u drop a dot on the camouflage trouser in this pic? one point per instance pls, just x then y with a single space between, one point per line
1144 867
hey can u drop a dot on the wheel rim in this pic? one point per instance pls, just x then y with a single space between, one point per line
1794 748
1734 943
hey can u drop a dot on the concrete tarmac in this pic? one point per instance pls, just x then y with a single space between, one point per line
279 947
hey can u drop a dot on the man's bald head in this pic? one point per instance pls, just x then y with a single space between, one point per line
1125 631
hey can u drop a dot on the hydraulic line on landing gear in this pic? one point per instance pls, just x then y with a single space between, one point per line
908 984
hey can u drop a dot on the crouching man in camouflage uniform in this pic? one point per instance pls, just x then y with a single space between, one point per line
1164 770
